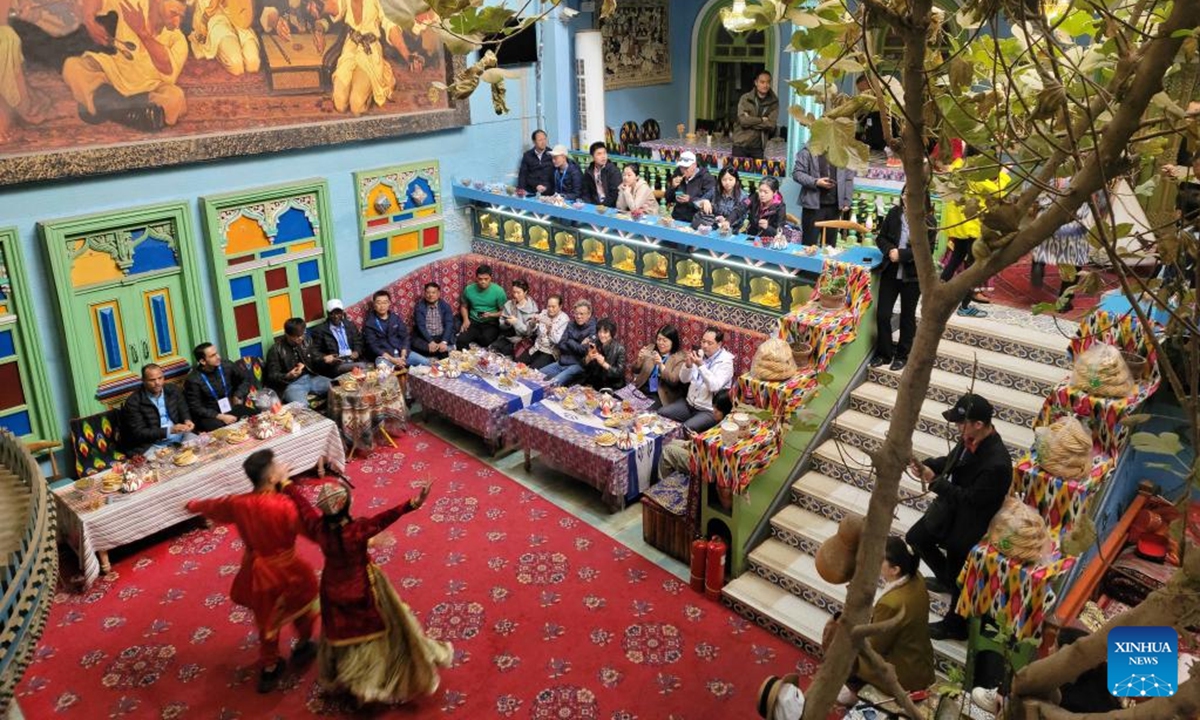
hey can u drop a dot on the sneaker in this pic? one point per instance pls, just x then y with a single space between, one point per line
987 699
879 361
846 697
898 364
972 311
269 678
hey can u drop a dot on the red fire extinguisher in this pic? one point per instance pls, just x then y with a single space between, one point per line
699 558
714 575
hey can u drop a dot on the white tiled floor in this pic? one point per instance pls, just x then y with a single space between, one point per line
575 497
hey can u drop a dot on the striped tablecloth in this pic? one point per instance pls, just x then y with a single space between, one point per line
473 404
571 447
92 522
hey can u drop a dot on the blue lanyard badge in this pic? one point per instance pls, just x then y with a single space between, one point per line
224 386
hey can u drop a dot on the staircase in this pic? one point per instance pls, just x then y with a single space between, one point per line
1018 364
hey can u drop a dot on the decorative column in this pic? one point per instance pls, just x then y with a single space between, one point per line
589 86
802 66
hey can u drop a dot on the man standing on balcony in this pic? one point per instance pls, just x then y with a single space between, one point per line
825 192
755 121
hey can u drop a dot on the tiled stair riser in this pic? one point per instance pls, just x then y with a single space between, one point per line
1008 347
996 376
937 603
810 646
859 479
806 545
936 428
949 397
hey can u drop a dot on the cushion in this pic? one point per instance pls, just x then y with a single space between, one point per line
96 441
671 493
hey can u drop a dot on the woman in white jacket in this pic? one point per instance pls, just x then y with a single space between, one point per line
551 324
516 320
635 193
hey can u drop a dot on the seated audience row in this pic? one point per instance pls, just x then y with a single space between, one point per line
691 191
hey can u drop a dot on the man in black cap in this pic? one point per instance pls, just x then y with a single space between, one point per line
970 483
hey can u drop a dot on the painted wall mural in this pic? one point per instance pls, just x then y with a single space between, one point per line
399 212
636 45
91 87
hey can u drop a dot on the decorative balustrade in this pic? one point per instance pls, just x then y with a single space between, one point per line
27 581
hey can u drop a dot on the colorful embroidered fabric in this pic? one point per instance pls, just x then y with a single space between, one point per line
826 330
1021 594
736 465
1057 500
781 398
1104 415
96 440
1015 594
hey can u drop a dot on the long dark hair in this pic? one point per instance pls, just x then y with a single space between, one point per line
671 333
737 181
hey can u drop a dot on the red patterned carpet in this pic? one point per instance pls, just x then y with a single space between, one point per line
1013 287
549 617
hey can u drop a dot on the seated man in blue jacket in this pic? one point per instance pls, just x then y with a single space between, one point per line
433 327
565 178
385 335
576 339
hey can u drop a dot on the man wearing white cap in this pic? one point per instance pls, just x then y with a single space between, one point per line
338 342
566 179
689 185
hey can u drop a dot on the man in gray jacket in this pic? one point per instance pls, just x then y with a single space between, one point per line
825 192
757 111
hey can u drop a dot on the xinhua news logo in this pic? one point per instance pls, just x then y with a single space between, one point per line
1143 661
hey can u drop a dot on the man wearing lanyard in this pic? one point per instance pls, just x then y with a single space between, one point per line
385 335
710 370
215 390
338 342
566 177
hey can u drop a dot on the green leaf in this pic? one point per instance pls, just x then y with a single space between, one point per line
803 19
1165 443
824 379
1043 308
835 139
1078 23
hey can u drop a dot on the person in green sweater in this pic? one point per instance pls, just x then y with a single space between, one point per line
481 307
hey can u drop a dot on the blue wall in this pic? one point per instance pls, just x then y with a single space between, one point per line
668 103
489 148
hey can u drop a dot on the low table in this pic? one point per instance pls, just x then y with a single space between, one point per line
364 410
93 522
473 403
570 446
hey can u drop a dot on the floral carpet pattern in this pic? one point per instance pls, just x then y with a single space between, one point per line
549 617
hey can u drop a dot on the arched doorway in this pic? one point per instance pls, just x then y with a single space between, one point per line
724 64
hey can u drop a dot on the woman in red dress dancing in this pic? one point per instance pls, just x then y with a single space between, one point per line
372 646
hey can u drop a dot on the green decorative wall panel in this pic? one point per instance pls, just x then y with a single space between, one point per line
26 408
272 258
399 212
128 295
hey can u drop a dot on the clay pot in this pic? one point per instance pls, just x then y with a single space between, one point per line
833 302
802 354
1138 367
